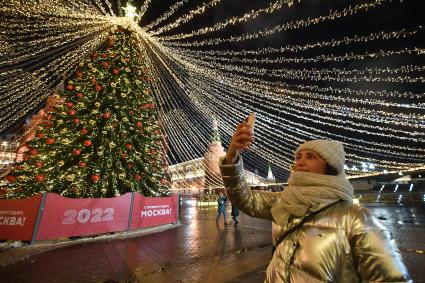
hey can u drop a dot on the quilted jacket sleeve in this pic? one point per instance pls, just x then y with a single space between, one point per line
375 252
253 203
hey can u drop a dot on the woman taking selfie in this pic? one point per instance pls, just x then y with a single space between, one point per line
319 235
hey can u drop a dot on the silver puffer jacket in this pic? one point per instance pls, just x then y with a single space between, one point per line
342 243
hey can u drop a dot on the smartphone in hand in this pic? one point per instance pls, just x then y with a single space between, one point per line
250 120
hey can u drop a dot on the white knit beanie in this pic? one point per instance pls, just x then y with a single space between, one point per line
331 151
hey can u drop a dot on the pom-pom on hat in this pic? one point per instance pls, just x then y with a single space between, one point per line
331 151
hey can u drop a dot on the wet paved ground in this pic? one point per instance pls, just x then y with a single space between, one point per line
197 251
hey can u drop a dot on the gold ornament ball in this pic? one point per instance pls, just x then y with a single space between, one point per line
112 145
70 177
92 122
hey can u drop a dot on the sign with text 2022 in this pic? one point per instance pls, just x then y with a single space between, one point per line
65 217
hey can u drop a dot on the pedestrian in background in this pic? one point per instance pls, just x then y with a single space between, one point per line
320 235
235 214
221 207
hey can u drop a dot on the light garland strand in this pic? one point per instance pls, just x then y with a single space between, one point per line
165 16
195 12
356 39
273 7
333 15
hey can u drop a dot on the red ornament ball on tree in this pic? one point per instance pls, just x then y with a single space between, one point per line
106 115
84 131
71 112
69 104
76 152
94 55
104 55
79 95
11 178
115 71
77 121
129 146
93 80
48 124
98 88
39 164
40 135
87 143
50 141
39 178
148 106
33 152
82 164
95 178
105 65
70 87
79 74
137 177
139 124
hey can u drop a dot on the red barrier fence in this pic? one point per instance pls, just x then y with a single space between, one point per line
18 217
149 212
65 217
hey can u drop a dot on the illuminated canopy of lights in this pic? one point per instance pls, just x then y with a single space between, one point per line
286 60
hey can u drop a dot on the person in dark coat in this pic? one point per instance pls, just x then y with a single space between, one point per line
235 214
221 207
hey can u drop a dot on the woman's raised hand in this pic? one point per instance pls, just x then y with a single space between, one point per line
241 140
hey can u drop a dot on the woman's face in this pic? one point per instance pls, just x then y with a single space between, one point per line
309 161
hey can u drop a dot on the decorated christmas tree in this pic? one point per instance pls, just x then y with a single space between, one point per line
104 139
